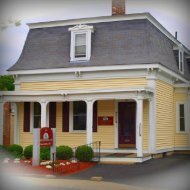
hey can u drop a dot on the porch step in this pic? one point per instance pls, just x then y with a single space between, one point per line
123 158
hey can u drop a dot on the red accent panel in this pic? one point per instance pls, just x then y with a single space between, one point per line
105 120
46 136
26 117
95 114
52 114
65 117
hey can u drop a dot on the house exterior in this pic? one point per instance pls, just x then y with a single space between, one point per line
123 80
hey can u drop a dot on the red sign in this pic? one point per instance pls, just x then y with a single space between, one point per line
46 136
105 120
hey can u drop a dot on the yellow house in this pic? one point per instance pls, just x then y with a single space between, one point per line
122 80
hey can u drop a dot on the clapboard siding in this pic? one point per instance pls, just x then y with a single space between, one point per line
84 84
145 124
164 115
181 140
106 134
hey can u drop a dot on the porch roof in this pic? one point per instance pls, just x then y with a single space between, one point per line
76 95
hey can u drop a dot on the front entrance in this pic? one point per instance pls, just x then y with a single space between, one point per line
127 124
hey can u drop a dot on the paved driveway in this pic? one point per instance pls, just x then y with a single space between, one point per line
171 172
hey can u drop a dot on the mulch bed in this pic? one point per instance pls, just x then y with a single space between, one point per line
65 169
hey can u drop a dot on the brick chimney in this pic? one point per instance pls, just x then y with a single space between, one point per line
118 7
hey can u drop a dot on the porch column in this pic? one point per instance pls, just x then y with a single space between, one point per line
139 124
89 121
1 122
36 135
16 129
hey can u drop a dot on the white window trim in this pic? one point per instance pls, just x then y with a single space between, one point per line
181 65
178 119
81 29
71 129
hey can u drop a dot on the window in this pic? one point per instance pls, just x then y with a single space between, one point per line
80 49
181 118
79 115
181 62
80 45
37 115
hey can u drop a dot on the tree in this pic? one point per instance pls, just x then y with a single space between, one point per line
6 83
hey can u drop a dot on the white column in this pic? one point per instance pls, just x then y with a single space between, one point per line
89 121
36 135
16 128
139 124
1 122
36 147
152 114
43 114
53 147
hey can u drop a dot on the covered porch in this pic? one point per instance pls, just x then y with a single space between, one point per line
135 96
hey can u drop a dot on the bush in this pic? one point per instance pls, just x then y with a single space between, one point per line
45 153
15 150
84 153
64 152
28 152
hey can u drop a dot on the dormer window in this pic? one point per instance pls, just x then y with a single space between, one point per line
181 62
80 42
180 58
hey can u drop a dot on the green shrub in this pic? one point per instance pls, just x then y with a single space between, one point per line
84 153
64 152
15 150
45 153
28 152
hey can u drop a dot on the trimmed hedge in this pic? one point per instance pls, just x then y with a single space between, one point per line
64 152
84 153
15 150
44 152
28 152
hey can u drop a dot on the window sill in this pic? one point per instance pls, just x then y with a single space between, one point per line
78 132
182 132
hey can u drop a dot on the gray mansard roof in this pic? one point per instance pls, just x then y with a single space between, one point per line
122 42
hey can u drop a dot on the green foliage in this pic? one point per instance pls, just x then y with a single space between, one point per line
64 152
28 152
45 153
15 150
6 83
84 153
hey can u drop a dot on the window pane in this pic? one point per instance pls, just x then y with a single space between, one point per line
79 122
182 124
37 108
37 121
79 115
80 51
181 110
80 39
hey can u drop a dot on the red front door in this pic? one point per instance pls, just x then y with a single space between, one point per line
127 124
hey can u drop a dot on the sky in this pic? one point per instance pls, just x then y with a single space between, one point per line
172 14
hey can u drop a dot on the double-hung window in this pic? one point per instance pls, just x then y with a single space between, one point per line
80 45
80 48
181 117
